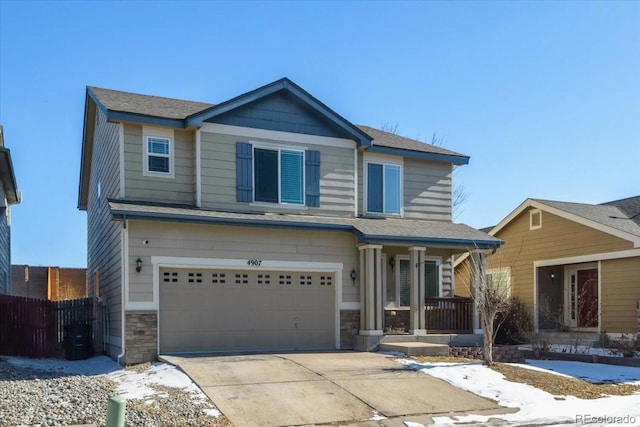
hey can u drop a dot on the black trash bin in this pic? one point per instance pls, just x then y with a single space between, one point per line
77 345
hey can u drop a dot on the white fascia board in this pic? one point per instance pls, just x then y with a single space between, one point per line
630 253
275 135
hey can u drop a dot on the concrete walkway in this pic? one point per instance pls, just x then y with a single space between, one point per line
341 388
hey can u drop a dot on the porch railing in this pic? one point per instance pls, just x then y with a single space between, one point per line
449 315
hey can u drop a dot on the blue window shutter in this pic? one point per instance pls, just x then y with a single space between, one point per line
244 177
312 178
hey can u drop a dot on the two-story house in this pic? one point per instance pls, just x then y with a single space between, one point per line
265 222
9 195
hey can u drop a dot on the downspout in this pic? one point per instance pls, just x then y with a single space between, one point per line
355 181
125 271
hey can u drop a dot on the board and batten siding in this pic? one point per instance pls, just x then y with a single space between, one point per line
218 159
178 189
558 238
620 290
5 245
212 241
103 234
427 187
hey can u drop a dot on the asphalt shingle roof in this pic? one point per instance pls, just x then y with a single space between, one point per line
383 228
148 105
630 206
386 139
606 214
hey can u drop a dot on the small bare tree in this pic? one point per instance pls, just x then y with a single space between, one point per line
491 296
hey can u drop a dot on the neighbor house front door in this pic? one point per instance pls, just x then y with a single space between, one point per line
582 296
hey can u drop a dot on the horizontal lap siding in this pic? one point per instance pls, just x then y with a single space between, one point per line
427 190
337 193
558 238
620 293
180 189
5 249
103 234
200 241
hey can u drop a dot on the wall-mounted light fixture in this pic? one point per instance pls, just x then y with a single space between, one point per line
552 276
138 265
353 276
392 262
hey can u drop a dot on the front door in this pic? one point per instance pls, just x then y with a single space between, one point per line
582 296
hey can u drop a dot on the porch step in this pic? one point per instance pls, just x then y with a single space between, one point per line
416 348
399 338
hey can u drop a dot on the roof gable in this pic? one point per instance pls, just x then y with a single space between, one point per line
7 175
281 111
608 219
296 92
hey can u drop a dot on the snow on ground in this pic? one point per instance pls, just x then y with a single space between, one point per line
131 384
597 373
536 406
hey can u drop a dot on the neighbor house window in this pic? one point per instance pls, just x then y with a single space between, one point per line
384 187
158 152
535 219
278 176
499 279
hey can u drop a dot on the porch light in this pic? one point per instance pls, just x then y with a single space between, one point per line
552 276
138 265
392 263
353 276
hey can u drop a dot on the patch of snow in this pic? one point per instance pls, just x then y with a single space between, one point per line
98 365
135 385
212 412
412 424
377 417
536 406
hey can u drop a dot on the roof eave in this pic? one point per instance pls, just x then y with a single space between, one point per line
8 177
431 241
88 127
361 138
446 158
118 214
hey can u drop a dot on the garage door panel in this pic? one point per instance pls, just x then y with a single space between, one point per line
227 310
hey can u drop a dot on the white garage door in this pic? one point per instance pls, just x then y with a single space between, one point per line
233 310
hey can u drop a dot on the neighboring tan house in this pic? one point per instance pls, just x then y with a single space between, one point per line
266 222
51 283
576 265
9 195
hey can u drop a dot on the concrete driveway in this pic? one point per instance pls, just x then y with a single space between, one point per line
341 388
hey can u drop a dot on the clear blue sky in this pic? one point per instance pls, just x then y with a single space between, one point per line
544 96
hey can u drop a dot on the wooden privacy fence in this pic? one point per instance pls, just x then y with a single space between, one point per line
35 328
449 315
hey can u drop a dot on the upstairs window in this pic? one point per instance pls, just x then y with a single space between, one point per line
278 176
158 152
384 188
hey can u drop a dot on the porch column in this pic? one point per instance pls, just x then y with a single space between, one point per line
477 276
417 324
371 303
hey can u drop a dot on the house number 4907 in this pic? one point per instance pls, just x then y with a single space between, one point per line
254 262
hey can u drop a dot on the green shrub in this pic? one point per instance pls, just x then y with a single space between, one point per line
515 324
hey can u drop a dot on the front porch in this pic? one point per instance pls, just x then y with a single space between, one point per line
408 302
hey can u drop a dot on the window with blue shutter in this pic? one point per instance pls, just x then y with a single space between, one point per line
312 178
278 175
244 175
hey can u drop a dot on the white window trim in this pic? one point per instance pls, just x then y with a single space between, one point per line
573 270
532 213
365 173
506 270
149 132
278 149
396 303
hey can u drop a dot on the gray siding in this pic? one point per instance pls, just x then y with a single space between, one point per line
103 234
201 241
427 189
219 178
5 246
179 189
281 111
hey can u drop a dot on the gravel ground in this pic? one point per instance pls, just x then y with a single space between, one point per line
30 397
